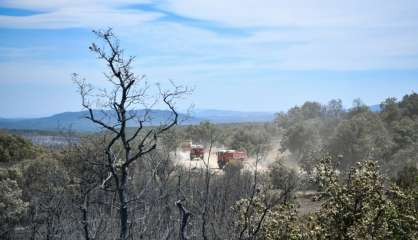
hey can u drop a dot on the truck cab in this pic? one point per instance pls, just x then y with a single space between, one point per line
197 152
230 156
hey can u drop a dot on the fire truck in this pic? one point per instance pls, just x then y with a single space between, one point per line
230 156
197 152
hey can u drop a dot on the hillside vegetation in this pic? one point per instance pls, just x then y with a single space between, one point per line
360 167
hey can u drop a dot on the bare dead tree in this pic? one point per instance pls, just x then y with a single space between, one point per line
207 179
252 228
254 192
128 91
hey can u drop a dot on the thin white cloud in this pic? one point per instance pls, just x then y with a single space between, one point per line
12 53
175 45
296 35
78 18
324 34
75 14
301 13
52 5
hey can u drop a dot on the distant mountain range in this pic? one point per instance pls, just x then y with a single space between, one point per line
226 116
76 121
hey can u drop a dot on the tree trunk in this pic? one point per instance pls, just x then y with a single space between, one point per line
85 218
123 199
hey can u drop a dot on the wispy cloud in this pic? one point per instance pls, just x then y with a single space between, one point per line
52 5
303 34
200 37
74 14
12 53
299 13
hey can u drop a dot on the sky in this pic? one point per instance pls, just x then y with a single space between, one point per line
246 55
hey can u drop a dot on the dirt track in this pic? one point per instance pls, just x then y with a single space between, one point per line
182 158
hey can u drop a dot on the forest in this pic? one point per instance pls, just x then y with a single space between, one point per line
318 171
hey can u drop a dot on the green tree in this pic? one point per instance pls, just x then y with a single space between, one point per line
283 178
45 183
202 133
405 132
361 137
408 178
358 108
409 105
311 110
299 137
295 115
334 108
12 207
261 220
254 141
303 140
14 148
360 207
390 110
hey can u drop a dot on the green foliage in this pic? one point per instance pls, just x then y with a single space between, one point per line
408 178
283 223
78 164
401 119
409 105
389 136
46 194
171 139
12 207
403 218
361 137
257 219
203 133
405 132
308 129
44 177
358 108
14 148
299 137
13 173
283 178
357 206
334 109
304 141
309 110
251 140
390 110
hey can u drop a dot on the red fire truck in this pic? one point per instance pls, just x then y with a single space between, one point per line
197 152
230 156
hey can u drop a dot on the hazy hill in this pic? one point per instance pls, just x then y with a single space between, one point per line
76 120
225 116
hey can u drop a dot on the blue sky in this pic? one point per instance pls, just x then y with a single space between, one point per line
265 55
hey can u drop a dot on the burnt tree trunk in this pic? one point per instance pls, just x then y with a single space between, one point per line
123 199
122 102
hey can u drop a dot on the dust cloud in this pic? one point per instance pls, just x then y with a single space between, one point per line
182 158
